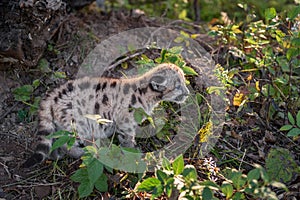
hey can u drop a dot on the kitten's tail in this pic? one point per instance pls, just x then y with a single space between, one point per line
40 154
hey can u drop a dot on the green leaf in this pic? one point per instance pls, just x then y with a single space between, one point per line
150 119
292 14
189 71
110 170
60 75
86 159
286 127
101 183
294 132
157 192
183 14
227 189
22 115
163 55
295 42
210 184
283 63
199 98
215 89
184 34
291 118
35 106
71 142
280 165
291 52
178 165
238 196
175 50
60 142
138 115
85 188
207 194
162 176
43 65
237 178
90 149
23 93
298 119
179 39
158 60
270 13
169 186
268 90
149 184
190 173
173 59
181 63
80 175
166 164
254 174
95 170
36 83
58 134
264 175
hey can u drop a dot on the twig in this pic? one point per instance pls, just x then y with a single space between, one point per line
242 159
185 22
8 111
6 169
125 59
240 152
26 181
29 185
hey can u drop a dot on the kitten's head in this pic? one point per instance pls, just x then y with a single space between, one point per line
169 81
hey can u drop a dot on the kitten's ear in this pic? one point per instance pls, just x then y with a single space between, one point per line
158 83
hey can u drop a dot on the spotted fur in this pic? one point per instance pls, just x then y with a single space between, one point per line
115 99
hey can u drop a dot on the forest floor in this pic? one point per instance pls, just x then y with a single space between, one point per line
73 35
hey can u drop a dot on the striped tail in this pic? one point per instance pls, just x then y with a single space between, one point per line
40 154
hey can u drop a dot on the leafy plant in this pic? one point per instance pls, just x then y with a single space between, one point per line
179 181
62 137
172 55
25 95
294 127
256 184
171 179
140 115
262 59
95 159
25 92
281 166
90 175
